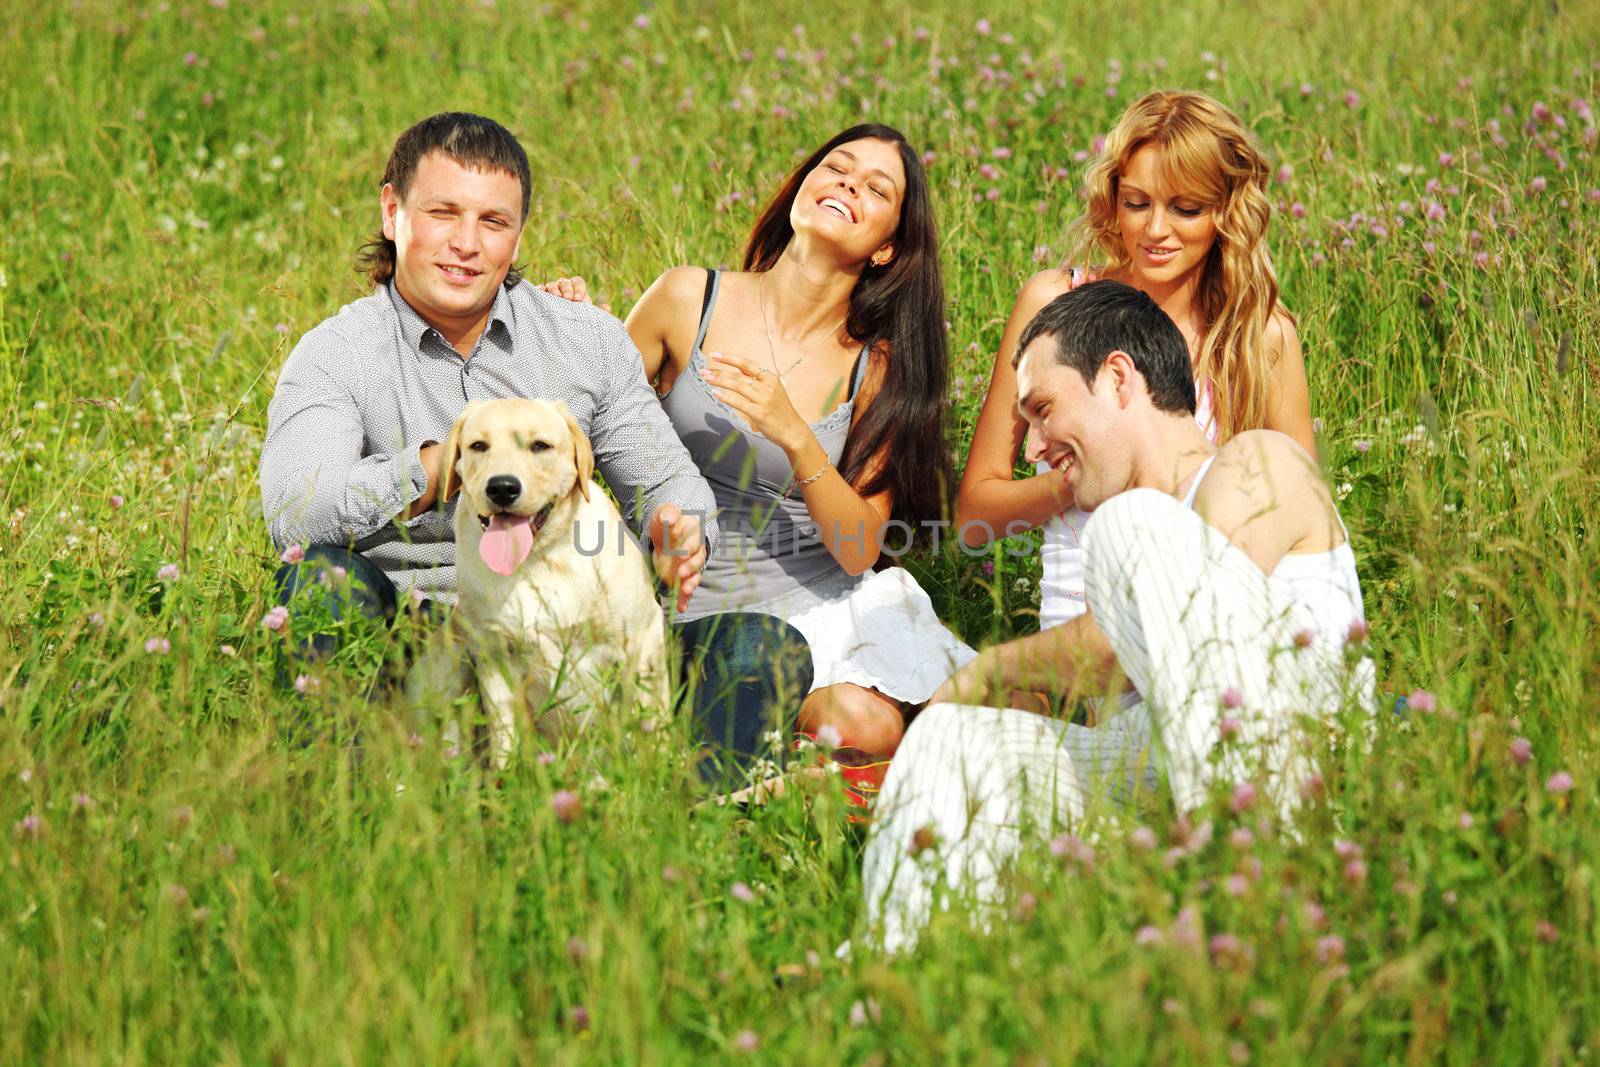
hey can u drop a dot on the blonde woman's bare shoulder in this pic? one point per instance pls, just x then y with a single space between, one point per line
1040 289
1282 337
1053 281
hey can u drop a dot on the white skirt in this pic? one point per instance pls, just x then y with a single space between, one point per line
883 635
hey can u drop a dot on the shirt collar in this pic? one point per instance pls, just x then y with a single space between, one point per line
414 328
499 328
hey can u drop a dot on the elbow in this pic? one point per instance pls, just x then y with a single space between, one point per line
857 552
974 531
285 517
856 566
282 533
276 517
972 523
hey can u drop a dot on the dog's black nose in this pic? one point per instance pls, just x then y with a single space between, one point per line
503 489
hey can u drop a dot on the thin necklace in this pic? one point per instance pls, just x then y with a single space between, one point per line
766 325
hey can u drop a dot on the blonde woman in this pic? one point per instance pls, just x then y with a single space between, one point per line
1177 208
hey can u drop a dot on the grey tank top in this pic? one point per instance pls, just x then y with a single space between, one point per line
769 558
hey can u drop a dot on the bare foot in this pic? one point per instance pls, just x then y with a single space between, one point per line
770 788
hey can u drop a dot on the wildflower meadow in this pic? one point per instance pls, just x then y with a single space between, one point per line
211 852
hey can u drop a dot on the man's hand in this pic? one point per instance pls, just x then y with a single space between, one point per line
973 684
678 550
432 457
1072 660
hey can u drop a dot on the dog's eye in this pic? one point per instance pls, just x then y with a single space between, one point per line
479 446
540 446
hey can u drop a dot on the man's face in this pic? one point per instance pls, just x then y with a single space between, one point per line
1074 429
456 236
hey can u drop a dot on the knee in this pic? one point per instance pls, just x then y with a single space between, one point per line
749 646
929 735
864 719
931 759
314 560
361 581
951 741
767 645
1115 524
1121 534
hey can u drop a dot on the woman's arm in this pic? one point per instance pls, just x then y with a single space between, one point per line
657 320
850 525
664 321
990 501
1289 398
835 506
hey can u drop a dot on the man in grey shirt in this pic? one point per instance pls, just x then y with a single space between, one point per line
350 468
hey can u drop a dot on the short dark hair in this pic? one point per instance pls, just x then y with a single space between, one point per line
1094 320
472 141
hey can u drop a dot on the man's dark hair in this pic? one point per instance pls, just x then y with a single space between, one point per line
1094 320
470 140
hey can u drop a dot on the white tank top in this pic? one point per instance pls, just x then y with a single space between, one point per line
1061 595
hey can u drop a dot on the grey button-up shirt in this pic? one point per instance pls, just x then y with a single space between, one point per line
364 390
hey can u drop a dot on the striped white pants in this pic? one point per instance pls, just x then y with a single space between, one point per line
1189 617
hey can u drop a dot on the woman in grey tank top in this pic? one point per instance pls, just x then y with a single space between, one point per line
810 390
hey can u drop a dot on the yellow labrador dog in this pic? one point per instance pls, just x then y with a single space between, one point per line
556 609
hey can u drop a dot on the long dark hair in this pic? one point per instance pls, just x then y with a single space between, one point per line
898 311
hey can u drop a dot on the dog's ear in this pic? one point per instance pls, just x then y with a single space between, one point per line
582 450
452 452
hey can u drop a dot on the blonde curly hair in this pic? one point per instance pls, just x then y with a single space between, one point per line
1207 151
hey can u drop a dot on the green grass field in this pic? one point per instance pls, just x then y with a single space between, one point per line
196 864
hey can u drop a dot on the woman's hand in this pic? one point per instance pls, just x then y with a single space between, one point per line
759 396
574 289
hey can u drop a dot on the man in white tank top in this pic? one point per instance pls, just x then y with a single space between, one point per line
1221 589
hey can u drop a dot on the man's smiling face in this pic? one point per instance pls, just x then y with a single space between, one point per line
456 234
1071 427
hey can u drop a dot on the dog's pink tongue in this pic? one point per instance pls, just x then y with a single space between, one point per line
506 543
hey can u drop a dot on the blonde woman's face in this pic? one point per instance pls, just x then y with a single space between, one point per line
1167 231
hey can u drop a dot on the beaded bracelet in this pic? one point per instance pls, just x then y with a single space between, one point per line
803 482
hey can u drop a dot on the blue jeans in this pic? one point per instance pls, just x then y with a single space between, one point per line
368 591
747 675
